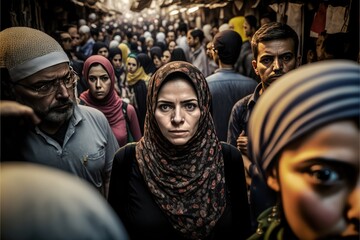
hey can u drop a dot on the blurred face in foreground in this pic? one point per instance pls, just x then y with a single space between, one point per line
177 111
319 182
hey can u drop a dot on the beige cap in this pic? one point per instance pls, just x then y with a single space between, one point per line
25 51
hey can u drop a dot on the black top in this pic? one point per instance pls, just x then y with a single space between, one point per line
143 219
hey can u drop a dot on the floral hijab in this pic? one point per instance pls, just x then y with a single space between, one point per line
187 182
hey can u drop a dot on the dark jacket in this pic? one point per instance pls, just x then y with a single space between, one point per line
143 219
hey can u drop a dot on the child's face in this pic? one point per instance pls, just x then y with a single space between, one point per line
319 183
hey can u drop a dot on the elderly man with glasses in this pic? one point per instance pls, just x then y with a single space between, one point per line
73 138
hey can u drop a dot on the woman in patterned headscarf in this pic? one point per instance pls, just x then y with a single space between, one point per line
175 183
304 138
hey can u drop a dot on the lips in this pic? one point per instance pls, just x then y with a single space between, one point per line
178 132
274 77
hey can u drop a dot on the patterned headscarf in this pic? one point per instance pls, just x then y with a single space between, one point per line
299 102
187 181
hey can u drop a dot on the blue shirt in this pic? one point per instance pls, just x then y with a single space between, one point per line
227 87
88 148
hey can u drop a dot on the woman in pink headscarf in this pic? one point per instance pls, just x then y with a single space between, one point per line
100 76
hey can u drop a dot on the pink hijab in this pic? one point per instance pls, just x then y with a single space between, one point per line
111 105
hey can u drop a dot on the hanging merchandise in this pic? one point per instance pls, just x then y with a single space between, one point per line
279 8
337 19
319 21
294 17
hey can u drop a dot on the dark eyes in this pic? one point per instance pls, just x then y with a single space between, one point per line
323 175
167 107
102 78
266 60
190 106
287 57
326 176
269 59
46 86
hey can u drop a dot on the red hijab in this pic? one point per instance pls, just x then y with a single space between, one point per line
111 105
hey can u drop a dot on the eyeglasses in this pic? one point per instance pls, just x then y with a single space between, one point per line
45 88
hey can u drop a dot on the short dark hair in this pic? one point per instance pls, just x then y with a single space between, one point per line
197 33
273 31
252 21
182 27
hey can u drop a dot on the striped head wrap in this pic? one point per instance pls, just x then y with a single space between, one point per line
25 51
298 103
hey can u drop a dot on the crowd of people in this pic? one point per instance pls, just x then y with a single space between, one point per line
178 133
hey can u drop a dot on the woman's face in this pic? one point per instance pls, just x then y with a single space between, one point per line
171 46
157 62
117 61
103 52
99 82
177 111
166 57
318 180
132 65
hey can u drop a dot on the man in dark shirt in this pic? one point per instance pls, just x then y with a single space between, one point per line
275 48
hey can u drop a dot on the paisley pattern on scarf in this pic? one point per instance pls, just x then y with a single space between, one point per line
188 181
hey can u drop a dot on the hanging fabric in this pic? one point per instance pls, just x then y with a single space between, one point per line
294 17
319 21
337 19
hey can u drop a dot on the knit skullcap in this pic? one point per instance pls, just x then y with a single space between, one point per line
25 51
301 101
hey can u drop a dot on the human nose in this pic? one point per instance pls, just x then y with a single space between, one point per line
277 64
62 90
177 116
97 83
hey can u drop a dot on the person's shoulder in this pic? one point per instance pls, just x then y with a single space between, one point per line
88 110
125 151
232 155
213 78
227 147
91 112
130 108
246 79
243 100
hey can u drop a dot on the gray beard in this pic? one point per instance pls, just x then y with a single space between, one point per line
59 117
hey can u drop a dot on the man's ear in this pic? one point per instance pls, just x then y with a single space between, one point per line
273 180
254 65
298 61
